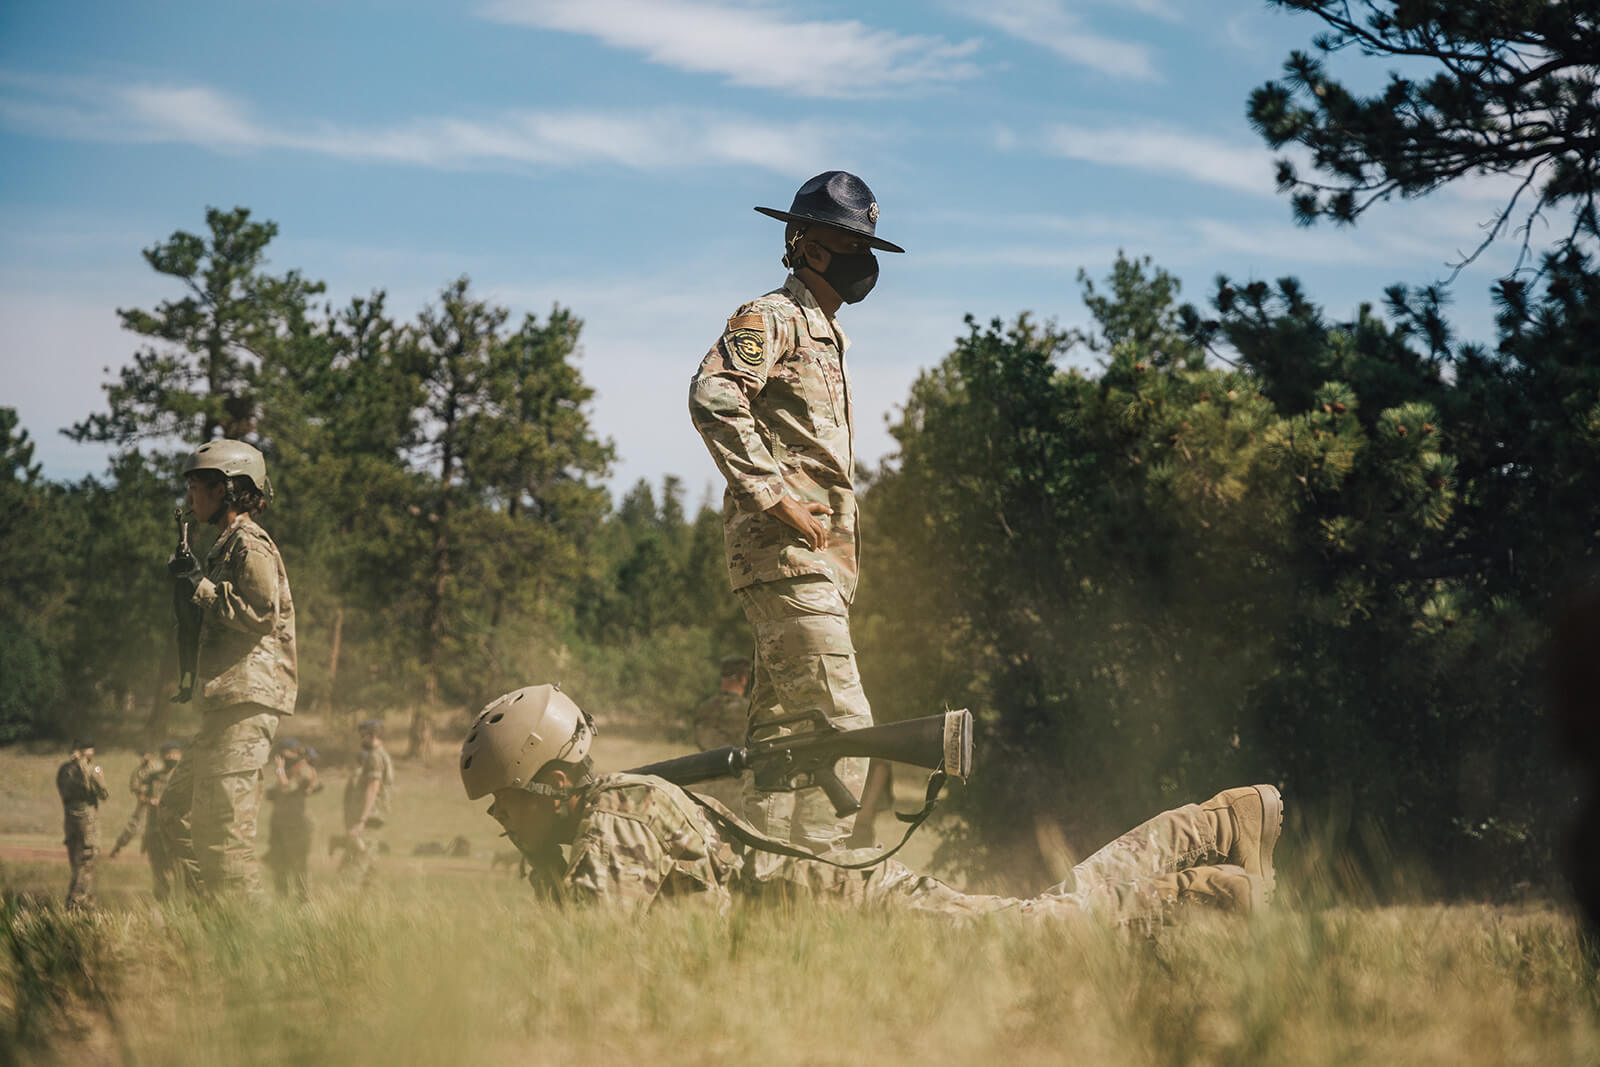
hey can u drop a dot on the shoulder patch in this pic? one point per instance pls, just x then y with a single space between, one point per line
747 338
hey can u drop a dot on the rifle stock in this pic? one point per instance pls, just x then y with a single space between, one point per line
807 757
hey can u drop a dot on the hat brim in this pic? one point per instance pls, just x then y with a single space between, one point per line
872 239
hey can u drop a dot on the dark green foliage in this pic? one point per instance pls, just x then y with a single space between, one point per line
436 494
1175 576
1485 87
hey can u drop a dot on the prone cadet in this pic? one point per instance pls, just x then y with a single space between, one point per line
632 840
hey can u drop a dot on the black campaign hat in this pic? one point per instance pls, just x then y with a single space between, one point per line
836 198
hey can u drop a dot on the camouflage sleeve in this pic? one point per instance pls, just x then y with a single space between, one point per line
246 597
730 376
616 861
371 769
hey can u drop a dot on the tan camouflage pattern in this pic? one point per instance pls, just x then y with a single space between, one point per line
641 840
360 861
208 813
720 720
804 660
373 764
81 792
771 400
146 783
247 647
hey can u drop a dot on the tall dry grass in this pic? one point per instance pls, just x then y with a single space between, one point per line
439 972
450 962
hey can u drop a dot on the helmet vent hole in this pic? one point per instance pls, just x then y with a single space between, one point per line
473 736
497 716
466 762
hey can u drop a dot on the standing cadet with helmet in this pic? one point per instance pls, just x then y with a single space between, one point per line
246 673
635 839
772 402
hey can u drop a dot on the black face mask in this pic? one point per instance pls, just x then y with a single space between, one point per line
852 275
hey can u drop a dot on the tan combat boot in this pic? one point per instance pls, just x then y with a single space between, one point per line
1149 903
1247 822
1228 888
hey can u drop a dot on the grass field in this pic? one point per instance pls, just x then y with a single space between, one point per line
449 962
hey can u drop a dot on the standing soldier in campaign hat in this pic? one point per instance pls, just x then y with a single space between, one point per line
772 402
246 674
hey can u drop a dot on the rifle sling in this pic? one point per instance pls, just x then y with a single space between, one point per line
761 842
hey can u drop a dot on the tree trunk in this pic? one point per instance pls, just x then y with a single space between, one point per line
441 553
162 688
335 643
421 736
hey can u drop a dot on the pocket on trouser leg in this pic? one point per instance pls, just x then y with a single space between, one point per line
224 829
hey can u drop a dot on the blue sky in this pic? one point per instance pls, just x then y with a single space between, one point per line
605 155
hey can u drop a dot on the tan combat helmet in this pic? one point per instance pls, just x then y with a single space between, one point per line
235 459
517 734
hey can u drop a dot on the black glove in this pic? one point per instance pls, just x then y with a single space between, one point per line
186 571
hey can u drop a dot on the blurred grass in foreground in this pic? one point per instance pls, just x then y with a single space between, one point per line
429 972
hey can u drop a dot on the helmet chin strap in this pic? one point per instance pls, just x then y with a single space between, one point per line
560 792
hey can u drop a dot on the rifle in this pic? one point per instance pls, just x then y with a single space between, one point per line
188 618
806 758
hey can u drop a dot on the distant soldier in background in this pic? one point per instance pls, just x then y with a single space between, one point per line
246 673
137 781
368 796
722 717
82 787
153 844
294 780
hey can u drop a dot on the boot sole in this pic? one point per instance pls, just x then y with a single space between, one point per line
1271 827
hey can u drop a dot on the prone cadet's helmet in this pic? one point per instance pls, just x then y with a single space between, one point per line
233 459
517 734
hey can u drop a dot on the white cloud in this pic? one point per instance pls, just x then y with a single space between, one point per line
654 139
1049 24
1242 165
759 47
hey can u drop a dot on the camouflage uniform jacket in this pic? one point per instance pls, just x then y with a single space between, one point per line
772 402
247 652
81 792
721 720
377 765
640 839
150 780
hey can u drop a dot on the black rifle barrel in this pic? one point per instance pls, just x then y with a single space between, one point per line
930 741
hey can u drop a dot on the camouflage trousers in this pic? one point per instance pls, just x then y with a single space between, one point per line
136 822
289 856
82 841
360 863
155 850
208 812
805 661
1135 879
